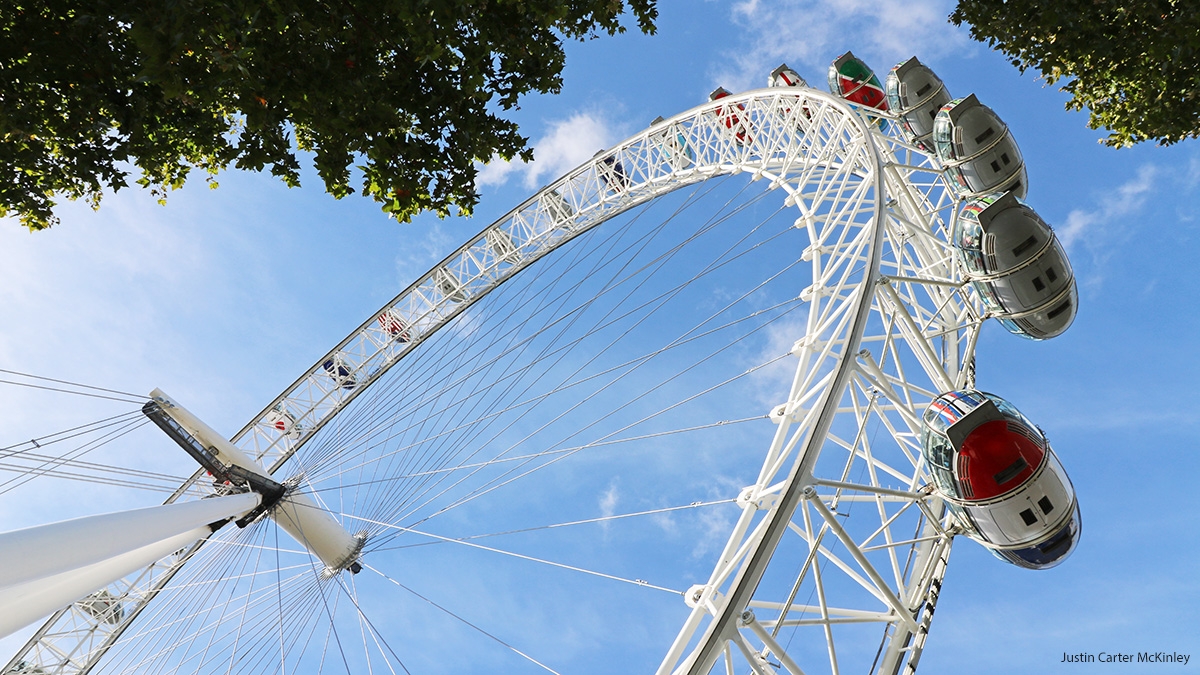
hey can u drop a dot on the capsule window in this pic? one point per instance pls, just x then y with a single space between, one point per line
1038 285
1012 471
1059 310
1028 517
991 131
922 90
1004 158
1045 505
1025 245
1051 274
995 166
1052 547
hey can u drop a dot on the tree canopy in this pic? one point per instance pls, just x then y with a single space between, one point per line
1134 65
411 92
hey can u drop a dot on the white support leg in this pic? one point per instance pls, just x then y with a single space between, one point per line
44 568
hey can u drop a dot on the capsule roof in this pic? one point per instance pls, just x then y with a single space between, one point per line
719 92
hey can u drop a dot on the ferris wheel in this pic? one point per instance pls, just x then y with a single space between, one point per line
676 396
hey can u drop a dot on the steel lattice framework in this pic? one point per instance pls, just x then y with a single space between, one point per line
890 325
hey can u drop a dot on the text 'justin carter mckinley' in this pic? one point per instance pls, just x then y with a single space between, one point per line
1137 657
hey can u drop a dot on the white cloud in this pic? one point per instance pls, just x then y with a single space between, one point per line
804 33
608 504
716 522
567 144
1101 231
1192 176
1116 205
497 171
422 253
772 382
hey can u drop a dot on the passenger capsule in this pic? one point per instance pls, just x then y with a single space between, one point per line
916 95
340 372
1017 265
395 326
102 606
732 116
557 207
449 285
284 422
1000 479
612 172
783 76
977 152
674 146
851 79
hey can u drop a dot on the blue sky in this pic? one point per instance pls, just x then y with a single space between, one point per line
223 297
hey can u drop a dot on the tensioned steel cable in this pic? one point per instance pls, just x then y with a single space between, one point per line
121 430
677 374
505 311
126 396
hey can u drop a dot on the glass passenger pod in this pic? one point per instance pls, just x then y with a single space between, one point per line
449 285
102 606
503 248
284 422
976 149
854 81
1017 265
783 76
393 325
674 146
556 207
1001 479
612 172
916 95
729 115
339 372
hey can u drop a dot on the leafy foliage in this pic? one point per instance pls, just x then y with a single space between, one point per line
409 89
1134 65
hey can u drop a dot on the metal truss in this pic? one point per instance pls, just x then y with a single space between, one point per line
808 581
841 495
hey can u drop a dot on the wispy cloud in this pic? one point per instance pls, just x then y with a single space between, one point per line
1099 230
1125 200
716 524
808 34
565 145
772 381
608 504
